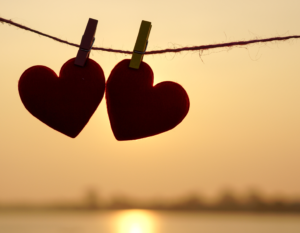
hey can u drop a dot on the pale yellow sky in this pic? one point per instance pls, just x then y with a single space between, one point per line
242 130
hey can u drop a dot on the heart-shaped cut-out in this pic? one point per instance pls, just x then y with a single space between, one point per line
65 103
136 108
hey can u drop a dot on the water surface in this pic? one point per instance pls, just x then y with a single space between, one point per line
143 221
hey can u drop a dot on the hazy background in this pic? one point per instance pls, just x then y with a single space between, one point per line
242 131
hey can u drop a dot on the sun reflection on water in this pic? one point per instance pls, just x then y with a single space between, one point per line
135 221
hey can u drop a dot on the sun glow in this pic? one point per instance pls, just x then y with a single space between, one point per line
135 221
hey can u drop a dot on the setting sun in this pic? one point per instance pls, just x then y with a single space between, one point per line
135 221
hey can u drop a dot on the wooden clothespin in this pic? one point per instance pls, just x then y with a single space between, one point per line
140 45
87 42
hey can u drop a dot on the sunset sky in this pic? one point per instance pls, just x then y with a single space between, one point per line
243 128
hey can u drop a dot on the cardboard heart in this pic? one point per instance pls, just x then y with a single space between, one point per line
65 103
136 108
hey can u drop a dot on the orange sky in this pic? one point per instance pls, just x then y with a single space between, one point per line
242 130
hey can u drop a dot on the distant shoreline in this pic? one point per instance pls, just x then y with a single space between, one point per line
227 203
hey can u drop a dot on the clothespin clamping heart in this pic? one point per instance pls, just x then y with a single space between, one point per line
136 108
65 102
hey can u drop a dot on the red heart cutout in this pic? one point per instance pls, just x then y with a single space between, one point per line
65 103
136 108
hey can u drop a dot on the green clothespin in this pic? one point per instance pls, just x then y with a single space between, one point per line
140 45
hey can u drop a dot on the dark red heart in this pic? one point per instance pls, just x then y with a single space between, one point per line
136 108
65 103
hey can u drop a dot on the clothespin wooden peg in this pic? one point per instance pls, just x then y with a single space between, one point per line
87 42
140 45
